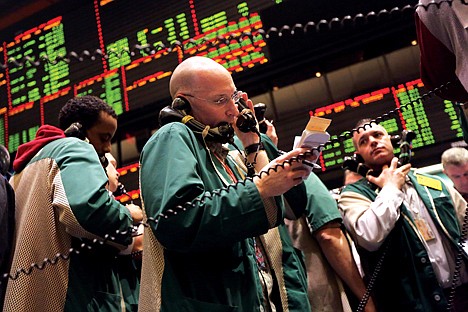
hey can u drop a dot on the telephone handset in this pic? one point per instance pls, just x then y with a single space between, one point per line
356 164
179 111
407 136
76 130
260 109
246 121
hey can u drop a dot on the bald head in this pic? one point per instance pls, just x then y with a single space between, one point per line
202 83
191 74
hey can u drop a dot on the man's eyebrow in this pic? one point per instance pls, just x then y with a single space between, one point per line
365 135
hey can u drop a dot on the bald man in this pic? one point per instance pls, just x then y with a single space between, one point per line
205 249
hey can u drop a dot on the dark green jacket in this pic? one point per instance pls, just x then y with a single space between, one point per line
207 245
407 281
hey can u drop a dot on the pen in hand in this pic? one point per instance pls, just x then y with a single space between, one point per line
305 162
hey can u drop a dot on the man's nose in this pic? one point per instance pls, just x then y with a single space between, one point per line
233 108
107 147
373 141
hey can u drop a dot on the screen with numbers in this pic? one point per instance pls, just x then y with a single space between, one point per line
124 52
121 51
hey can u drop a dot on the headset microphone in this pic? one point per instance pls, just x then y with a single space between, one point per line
177 112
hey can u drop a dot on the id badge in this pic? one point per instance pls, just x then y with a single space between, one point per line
424 229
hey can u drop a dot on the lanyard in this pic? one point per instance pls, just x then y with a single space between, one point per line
226 168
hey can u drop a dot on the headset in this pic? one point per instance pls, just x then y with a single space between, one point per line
356 162
76 130
179 111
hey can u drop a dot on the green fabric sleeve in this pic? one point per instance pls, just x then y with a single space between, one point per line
296 196
83 179
321 206
175 169
311 197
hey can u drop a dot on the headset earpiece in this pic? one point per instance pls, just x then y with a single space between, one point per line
177 112
75 130
181 103
358 158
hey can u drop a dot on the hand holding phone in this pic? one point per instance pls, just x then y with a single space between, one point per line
246 121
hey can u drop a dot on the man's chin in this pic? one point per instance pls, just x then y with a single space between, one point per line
379 154
380 160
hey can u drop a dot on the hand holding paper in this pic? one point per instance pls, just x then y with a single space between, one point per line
314 134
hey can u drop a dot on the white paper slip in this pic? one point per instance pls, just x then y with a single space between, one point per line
314 134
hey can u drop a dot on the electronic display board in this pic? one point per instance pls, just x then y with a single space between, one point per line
129 177
433 120
124 52
121 51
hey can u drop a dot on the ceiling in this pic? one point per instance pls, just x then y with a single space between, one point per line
13 11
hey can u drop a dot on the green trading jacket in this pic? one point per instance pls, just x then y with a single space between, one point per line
407 281
61 203
200 256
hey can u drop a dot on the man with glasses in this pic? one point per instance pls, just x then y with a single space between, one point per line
201 253
223 100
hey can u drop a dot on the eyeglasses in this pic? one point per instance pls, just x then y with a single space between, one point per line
221 101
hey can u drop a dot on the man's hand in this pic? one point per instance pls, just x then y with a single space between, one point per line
137 247
282 175
135 212
271 132
247 138
391 175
